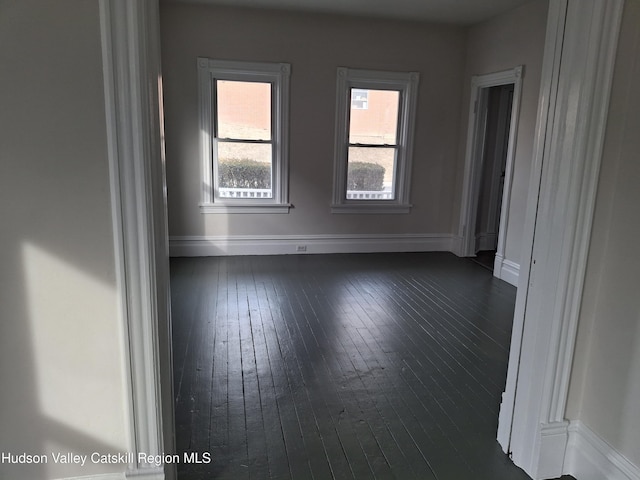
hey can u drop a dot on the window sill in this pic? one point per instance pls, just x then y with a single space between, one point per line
245 208
371 208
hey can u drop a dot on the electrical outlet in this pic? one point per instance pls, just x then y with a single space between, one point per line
301 248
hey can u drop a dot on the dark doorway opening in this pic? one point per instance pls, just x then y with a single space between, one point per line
498 105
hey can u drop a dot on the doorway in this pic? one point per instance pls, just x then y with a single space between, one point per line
493 120
498 104
533 344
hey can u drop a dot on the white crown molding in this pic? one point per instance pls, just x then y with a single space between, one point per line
460 12
195 246
131 69
589 457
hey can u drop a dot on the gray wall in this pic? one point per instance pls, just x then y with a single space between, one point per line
511 39
315 45
605 383
61 351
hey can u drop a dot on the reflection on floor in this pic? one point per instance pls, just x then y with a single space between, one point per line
340 366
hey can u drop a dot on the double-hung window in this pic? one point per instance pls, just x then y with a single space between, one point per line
244 111
375 116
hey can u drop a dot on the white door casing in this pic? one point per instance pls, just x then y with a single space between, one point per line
473 157
571 116
132 82
576 82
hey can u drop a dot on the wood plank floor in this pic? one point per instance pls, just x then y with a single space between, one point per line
340 366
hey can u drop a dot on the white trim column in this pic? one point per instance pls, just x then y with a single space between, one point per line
131 66
576 83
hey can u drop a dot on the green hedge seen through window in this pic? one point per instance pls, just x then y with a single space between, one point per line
365 176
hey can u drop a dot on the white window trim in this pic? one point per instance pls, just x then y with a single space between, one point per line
275 73
407 84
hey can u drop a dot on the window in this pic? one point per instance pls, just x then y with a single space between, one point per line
375 116
244 111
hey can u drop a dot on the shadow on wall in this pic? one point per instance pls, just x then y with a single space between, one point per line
62 371
61 343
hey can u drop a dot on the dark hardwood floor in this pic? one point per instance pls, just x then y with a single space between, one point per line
340 366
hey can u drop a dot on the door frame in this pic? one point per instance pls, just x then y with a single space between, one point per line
531 425
476 132
577 73
130 40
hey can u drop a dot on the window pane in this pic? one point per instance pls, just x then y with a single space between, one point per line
244 170
377 123
359 99
244 110
371 173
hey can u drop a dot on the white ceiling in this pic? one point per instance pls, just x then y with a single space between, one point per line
464 12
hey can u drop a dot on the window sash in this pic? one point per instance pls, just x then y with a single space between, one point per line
384 196
216 112
253 194
351 88
275 74
396 146
374 145
406 83
242 140
242 194
387 157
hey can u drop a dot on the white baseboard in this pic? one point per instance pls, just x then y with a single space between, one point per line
589 457
102 476
554 437
142 474
456 246
202 246
146 474
506 270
